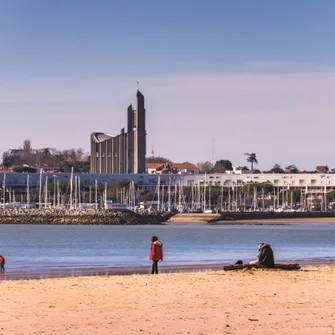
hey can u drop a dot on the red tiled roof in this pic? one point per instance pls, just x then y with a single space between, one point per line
154 165
173 165
183 166
6 171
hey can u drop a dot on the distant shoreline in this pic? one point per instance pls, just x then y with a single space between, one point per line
274 221
251 218
61 217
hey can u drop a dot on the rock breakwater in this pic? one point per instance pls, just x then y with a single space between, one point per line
80 217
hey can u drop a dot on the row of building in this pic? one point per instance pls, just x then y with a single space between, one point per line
308 182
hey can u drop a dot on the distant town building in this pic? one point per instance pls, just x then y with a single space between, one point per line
20 153
172 168
124 153
322 168
238 170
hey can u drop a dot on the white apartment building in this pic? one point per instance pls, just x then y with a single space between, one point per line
307 182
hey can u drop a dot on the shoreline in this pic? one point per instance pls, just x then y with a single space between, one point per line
274 221
140 270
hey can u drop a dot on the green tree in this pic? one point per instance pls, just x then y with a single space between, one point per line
223 165
158 159
277 169
205 167
292 168
252 159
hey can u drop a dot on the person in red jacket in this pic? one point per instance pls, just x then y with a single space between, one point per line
156 253
2 263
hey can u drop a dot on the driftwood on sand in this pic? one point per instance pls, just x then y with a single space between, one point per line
281 266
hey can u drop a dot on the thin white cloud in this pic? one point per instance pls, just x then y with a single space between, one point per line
278 67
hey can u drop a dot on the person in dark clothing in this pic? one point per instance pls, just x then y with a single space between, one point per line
2 264
156 254
265 255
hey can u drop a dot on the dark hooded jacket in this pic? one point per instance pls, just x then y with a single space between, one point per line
265 256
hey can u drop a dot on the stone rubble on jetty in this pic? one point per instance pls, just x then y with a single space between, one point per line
80 216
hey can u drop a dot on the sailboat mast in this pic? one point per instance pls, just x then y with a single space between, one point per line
28 192
75 192
96 194
229 199
54 195
169 195
46 192
163 206
58 194
175 195
90 196
255 198
205 193
221 197
40 192
179 198
4 189
158 187
105 196
199 195
71 188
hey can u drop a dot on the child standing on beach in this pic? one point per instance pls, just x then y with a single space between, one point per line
156 253
2 264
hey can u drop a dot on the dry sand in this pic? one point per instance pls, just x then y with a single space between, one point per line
236 302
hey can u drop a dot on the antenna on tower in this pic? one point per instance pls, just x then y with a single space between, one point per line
152 151
138 85
213 140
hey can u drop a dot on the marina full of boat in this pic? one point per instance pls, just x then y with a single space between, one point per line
186 194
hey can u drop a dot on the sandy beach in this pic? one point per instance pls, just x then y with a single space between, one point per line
237 302
278 221
203 219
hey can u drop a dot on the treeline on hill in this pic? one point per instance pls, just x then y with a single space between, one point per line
28 160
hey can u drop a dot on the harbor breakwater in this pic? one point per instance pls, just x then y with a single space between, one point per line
80 217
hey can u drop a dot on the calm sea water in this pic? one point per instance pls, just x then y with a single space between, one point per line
32 247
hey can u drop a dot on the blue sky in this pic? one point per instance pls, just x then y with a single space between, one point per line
257 76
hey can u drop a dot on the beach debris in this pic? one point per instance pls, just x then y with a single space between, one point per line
278 266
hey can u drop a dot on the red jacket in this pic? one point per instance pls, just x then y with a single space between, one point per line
156 252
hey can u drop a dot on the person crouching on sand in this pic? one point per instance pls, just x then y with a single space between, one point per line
265 255
156 253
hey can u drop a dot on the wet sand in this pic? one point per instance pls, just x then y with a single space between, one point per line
124 271
242 302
